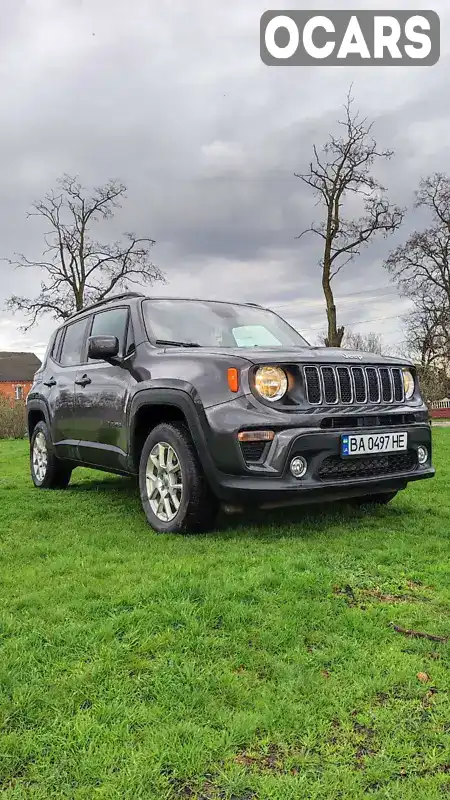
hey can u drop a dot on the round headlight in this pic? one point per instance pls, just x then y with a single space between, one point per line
408 383
271 383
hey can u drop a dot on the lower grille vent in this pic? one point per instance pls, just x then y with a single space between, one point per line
336 468
370 421
253 451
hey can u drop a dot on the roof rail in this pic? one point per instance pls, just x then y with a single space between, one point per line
257 305
113 298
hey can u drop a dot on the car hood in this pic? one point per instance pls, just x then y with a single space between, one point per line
305 355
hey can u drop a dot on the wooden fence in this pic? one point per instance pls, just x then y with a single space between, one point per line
440 409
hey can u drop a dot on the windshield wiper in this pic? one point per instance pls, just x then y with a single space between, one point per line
164 342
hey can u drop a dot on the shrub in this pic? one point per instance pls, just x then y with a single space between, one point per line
12 419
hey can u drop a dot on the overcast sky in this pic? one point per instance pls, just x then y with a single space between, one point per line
170 96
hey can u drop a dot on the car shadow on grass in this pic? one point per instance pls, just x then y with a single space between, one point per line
104 483
124 491
309 517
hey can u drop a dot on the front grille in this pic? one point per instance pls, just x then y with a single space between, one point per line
397 378
336 468
354 385
313 389
345 384
374 385
253 451
359 383
329 385
386 385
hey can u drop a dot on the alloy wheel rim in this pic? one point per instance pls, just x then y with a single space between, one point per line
164 481
40 457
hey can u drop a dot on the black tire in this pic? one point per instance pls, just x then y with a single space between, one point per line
198 506
56 474
376 499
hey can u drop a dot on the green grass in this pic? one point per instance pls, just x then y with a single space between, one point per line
255 663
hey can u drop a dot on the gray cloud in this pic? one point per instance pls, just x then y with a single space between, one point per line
173 99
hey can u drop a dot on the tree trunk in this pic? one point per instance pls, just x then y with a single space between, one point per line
335 334
79 299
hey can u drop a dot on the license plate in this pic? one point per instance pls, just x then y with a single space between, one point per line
366 443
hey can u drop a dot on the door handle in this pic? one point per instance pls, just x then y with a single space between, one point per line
83 381
50 382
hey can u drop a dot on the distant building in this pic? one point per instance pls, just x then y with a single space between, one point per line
16 374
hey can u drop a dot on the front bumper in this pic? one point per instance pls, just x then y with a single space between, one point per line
270 483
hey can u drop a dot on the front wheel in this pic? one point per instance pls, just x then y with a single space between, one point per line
47 471
175 495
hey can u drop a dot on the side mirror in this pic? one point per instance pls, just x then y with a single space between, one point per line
103 347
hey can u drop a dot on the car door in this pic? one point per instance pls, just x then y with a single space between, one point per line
102 390
61 383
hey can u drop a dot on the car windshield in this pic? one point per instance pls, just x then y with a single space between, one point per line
214 324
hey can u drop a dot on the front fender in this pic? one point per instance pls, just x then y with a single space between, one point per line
185 398
41 406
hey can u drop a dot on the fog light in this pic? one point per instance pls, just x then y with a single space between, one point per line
298 466
422 454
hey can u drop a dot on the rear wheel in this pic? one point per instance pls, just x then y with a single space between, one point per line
175 494
47 471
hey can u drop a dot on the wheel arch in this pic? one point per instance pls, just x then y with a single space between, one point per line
154 406
36 412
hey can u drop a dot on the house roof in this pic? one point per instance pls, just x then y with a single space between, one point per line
18 366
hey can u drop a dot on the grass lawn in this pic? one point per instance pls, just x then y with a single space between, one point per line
255 663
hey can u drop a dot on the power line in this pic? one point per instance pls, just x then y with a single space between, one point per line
306 303
371 289
374 319
367 292
383 333
351 323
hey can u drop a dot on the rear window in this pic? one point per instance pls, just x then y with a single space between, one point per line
73 344
56 344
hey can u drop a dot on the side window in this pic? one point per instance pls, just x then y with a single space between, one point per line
131 344
55 349
112 323
72 349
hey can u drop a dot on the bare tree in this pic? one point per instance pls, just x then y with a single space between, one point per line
421 269
77 269
427 345
368 342
427 333
352 340
343 167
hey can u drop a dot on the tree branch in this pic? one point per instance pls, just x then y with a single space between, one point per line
77 268
342 166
